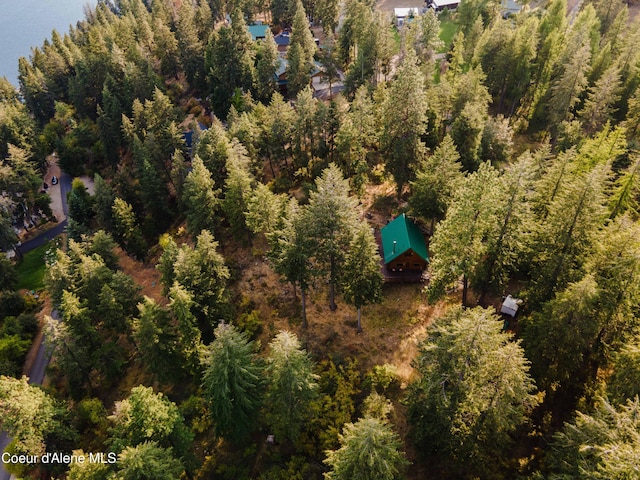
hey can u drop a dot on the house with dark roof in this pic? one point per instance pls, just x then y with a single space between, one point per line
282 41
403 247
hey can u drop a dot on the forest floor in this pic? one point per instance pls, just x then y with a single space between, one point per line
391 329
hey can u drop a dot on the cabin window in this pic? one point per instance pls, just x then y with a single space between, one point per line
416 265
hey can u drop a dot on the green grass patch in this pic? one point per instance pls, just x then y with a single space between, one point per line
31 269
448 29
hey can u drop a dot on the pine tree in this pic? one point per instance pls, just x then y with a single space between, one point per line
473 390
232 383
237 190
330 220
27 415
126 228
404 121
146 416
302 48
437 176
568 88
148 460
200 197
292 386
291 252
567 232
459 242
362 280
229 62
368 449
602 445
266 67
599 105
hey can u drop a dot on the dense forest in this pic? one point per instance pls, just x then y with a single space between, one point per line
216 308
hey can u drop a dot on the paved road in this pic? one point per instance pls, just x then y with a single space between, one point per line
36 374
65 187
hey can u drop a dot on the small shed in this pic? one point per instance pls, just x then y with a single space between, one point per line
510 306
403 246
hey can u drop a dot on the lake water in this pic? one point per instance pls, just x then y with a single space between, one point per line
26 23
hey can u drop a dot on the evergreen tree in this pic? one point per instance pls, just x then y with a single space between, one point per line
28 415
266 67
290 252
473 390
264 210
126 228
362 280
148 460
302 48
214 148
232 383
292 386
567 232
148 416
328 14
330 220
237 190
155 340
103 202
601 446
202 272
459 242
568 88
437 176
190 47
356 138
599 105
200 197
404 121
368 449
229 62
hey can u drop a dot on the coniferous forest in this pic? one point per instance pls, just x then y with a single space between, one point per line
216 307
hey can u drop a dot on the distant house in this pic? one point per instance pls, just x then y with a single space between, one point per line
510 7
258 31
282 41
403 246
281 75
188 136
405 14
439 5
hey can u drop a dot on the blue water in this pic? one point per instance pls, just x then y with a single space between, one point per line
26 23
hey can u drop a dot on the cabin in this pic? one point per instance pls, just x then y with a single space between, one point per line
403 248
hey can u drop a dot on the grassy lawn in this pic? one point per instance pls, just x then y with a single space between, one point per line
448 29
31 269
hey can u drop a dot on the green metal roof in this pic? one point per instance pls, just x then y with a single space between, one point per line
406 235
257 31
